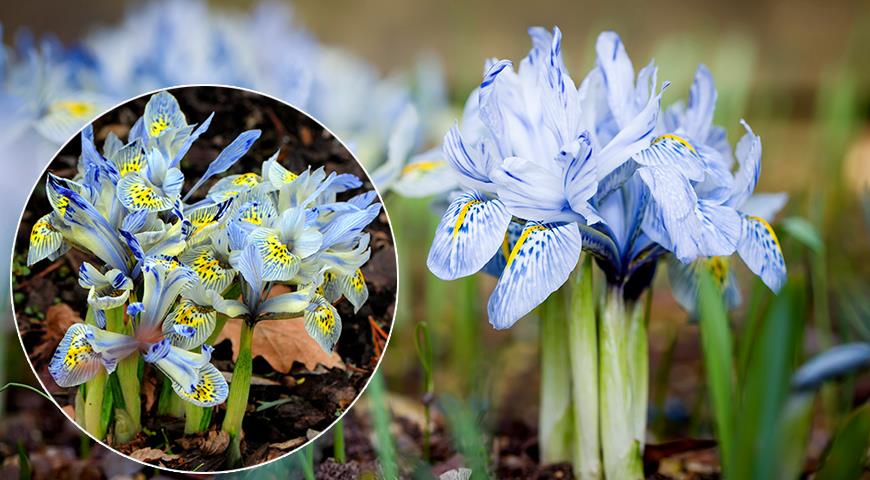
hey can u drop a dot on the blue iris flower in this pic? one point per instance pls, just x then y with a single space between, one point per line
551 169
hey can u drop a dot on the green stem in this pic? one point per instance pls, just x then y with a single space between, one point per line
338 442
639 366
127 419
237 401
619 354
196 419
95 389
306 461
555 419
220 321
169 403
583 350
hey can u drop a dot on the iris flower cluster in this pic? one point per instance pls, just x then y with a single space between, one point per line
127 209
550 169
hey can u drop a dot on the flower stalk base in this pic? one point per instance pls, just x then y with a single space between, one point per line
583 349
623 380
237 401
555 421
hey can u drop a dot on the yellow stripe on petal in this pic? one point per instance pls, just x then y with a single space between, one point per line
718 267
75 109
523 237
277 252
158 126
423 166
676 138
767 227
358 281
210 390
143 197
247 179
461 217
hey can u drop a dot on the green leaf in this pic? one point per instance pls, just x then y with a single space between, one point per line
718 364
805 232
766 386
381 422
25 470
845 458
267 405
464 428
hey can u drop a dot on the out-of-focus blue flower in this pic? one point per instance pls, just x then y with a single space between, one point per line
49 91
551 169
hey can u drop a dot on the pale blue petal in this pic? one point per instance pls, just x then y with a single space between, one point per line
760 250
227 158
471 231
290 304
764 205
702 103
749 167
348 224
631 139
188 142
532 192
323 323
539 263
580 183
618 73
472 167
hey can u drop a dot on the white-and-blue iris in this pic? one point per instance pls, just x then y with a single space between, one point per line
551 169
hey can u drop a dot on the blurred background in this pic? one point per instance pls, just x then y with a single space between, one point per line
797 71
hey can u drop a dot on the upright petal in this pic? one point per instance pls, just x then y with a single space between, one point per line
539 264
749 167
227 158
702 103
473 167
618 71
760 250
764 205
469 234
580 183
162 113
631 139
533 192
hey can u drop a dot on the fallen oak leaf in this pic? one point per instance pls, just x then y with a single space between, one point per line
281 343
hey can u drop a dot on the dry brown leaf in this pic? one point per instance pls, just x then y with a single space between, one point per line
216 442
289 444
58 318
151 455
281 343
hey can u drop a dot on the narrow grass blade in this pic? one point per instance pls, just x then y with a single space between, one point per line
718 363
845 458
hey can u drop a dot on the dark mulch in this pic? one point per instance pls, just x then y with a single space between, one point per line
314 398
